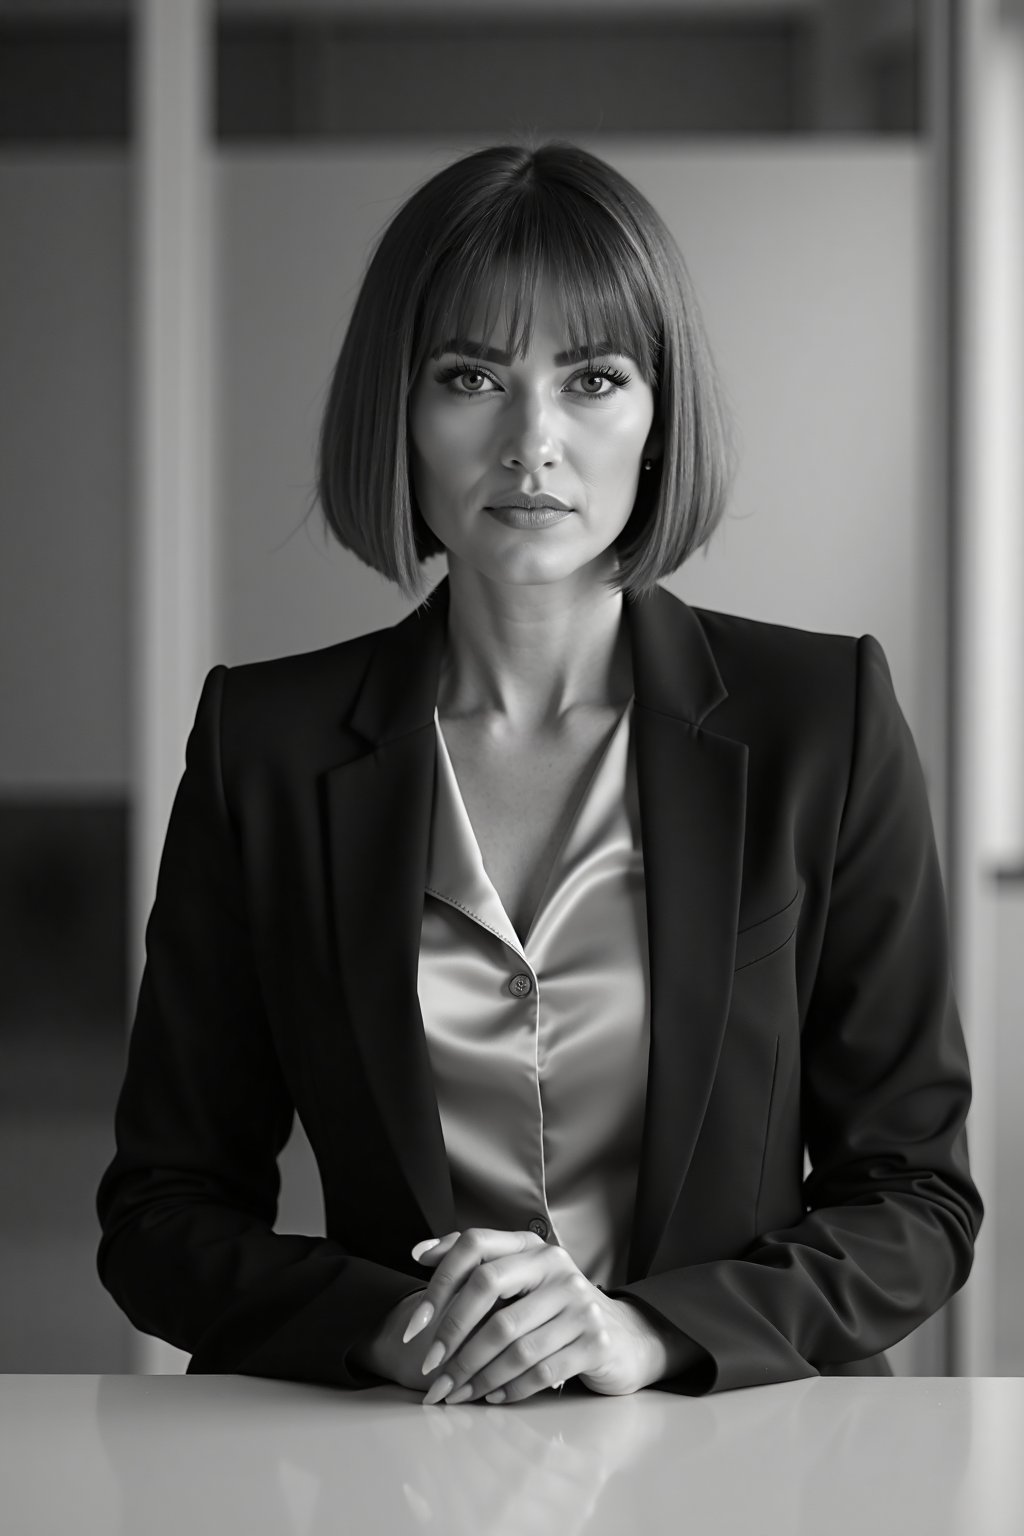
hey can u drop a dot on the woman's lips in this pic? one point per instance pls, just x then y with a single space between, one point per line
523 517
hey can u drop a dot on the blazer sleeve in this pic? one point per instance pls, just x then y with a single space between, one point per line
188 1203
891 1209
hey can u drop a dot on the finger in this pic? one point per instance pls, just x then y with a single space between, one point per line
433 1248
500 1280
509 1342
439 1387
475 1247
430 1249
582 1354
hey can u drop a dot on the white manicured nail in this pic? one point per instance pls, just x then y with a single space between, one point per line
435 1354
419 1320
438 1389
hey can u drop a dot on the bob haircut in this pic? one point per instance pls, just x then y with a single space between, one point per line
502 219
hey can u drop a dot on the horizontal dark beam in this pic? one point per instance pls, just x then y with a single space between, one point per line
311 77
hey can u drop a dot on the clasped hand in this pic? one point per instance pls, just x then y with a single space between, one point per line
556 1324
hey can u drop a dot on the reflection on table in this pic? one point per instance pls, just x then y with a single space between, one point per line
825 1457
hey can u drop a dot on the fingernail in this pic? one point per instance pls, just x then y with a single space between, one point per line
419 1320
424 1247
434 1356
461 1396
438 1389
497 1396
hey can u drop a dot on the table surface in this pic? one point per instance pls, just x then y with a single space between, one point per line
144 1455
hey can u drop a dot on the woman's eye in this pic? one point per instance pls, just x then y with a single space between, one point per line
599 379
462 380
601 376
474 380
457 373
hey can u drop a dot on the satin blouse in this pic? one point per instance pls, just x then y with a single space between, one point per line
539 1050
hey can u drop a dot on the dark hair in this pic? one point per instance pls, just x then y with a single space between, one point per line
517 214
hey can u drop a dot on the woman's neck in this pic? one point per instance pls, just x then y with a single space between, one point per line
521 659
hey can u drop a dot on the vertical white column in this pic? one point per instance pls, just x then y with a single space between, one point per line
174 584
988 572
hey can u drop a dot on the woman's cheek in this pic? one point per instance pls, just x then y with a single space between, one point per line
456 437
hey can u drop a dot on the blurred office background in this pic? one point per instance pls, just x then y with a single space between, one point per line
188 195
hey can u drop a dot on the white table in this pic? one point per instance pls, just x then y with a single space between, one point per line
147 1455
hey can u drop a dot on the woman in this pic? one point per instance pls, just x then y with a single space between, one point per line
565 915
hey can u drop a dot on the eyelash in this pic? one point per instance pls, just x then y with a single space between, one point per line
455 370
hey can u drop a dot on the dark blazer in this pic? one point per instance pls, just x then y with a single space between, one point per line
800 994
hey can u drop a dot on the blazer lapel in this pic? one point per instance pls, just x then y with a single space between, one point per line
379 809
692 793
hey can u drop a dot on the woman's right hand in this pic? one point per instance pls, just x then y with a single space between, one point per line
383 1352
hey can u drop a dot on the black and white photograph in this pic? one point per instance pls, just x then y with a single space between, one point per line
512 772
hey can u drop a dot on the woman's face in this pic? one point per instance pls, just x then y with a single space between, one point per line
484 427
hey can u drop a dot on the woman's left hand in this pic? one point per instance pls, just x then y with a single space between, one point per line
559 1324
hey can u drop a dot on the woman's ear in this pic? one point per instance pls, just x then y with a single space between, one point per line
655 444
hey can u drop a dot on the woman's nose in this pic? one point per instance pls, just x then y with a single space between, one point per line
531 444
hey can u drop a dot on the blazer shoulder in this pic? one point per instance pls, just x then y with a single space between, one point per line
811 692
800 700
753 654
294 700
328 663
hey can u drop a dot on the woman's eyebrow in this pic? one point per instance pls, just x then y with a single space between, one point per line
495 355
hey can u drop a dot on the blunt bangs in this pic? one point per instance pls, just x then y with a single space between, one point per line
504 265
479 239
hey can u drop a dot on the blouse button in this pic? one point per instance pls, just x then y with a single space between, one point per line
520 985
539 1226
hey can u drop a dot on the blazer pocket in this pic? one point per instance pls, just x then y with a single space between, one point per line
762 939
